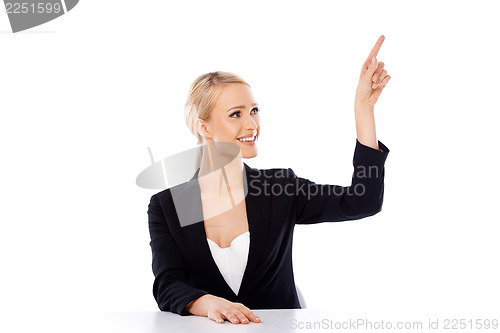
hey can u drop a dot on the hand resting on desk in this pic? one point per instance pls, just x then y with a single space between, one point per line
218 309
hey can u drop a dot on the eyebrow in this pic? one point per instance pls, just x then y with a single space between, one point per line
240 107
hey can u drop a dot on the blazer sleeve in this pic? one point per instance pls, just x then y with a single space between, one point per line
170 289
322 202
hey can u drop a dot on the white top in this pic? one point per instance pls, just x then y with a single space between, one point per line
232 260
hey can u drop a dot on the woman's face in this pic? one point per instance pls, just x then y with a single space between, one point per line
235 119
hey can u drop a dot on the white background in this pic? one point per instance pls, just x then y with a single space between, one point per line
83 96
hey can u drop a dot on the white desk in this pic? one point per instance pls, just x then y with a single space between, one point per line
165 322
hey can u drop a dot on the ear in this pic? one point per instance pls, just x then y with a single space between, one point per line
202 128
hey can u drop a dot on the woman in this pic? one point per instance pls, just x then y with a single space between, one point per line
240 256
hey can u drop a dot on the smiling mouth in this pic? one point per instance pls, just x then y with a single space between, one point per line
248 139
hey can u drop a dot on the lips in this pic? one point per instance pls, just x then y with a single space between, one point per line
247 138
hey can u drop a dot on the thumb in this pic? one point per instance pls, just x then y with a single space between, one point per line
371 70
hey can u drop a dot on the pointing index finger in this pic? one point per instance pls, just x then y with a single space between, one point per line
375 50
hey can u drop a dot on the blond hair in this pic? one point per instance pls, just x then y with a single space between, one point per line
203 95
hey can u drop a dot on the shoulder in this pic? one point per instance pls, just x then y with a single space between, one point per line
166 197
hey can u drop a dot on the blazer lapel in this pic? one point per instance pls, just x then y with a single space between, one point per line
258 213
196 237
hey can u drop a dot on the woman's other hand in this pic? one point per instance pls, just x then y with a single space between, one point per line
373 78
218 309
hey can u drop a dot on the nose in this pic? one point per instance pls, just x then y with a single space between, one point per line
250 123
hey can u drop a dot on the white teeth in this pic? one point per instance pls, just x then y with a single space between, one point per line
252 138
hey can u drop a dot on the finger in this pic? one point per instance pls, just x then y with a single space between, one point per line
376 93
374 51
250 315
378 71
385 80
241 317
380 78
231 317
217 317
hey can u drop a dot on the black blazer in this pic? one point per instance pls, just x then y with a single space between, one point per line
183 265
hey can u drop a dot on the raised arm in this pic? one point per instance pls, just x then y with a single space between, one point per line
316 203
372 81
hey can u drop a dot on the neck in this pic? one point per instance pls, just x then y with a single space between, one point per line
221 173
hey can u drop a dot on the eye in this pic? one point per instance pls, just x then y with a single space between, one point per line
237 114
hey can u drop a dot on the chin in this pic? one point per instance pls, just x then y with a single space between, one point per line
249 154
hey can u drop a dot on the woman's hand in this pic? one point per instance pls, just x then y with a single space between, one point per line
373 78
218 309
